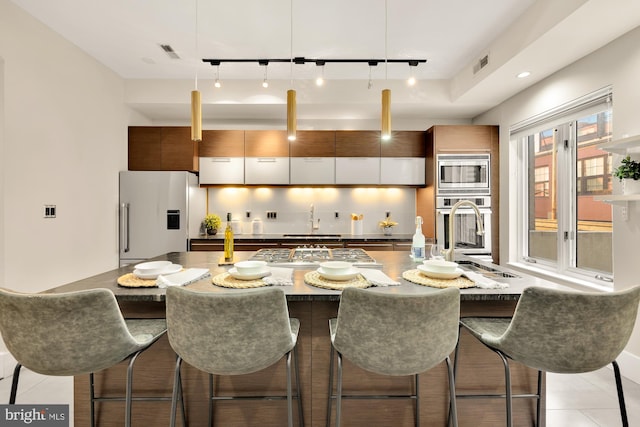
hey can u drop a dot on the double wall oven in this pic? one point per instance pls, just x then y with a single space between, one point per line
464 176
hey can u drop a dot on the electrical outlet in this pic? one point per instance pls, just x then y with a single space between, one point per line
272 215
248 214
337 215
387 214
49 211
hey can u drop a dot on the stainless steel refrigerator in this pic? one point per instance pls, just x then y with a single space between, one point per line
159 212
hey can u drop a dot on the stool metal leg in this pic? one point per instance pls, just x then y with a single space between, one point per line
289 393
330 399
299 390
417 416
211 398
623 408
174 395
14 384
92 399
339 391
507 385
129 390
453 411
539 403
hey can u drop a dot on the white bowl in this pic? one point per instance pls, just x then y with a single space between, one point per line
250 267
336 268
152 267
440 265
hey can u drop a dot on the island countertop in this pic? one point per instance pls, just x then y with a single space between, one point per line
394 263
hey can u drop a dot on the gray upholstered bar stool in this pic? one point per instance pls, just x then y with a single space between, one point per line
394 334
566 332
74 333
233 333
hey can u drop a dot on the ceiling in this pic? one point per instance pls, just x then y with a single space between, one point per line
452 35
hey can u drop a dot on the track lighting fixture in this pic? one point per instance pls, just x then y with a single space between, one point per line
265 82
217 83
320 78
411 81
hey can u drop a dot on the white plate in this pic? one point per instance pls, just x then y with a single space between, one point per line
436 275
170 269
259 275
350 274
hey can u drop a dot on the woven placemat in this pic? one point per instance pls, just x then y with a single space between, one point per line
129 280
313 278
226 280
415 276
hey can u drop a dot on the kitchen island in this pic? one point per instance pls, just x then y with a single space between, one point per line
480 370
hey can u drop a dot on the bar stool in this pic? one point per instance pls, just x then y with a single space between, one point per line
394 334
74 333
233 333
566 332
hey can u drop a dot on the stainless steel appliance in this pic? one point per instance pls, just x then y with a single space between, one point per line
159 212
460 174
305 256
467 239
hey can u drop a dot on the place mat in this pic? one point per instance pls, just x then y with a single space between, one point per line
130 280
415 276
313 278
226 280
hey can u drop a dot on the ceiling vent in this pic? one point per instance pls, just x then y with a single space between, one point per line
483 62
169 51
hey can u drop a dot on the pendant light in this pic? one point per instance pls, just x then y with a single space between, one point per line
196 102
291 93
385 121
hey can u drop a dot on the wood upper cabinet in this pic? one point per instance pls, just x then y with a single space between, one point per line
461 138
162 148
404 144
266 143
222 143
357 143
313 143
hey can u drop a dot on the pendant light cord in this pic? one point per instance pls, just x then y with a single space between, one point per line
291 43
386 56
197 46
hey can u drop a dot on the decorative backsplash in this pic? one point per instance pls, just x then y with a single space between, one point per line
292 208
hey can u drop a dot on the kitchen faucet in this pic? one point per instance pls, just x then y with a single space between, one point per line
314 224
449 252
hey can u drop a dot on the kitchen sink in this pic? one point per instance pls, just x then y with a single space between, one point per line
306 235
484 269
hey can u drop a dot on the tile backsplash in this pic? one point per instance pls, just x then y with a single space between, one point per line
292 206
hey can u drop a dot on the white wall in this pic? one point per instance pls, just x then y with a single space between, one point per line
64 140
617 64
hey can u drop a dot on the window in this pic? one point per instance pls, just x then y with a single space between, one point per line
563 228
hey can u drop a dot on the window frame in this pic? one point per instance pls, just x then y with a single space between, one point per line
563 118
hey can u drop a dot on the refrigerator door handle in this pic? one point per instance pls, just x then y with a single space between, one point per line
124 227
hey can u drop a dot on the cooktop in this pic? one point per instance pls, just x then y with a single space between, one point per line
312 255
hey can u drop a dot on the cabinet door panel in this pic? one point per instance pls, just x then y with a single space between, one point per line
221 170
358 170
266 170
357 143
402 170
313 170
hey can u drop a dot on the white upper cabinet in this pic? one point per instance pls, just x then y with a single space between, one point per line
266 170
358 170
402 171
313 170
221 170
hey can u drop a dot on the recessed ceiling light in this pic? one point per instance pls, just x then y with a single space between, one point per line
524 74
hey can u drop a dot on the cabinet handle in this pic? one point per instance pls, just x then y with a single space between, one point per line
266 160
124 227
221 160
313 159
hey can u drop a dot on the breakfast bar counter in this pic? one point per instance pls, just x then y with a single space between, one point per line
479 370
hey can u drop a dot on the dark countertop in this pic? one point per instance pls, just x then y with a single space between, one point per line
303 236
394 263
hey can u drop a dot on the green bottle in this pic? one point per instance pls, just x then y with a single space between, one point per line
228 240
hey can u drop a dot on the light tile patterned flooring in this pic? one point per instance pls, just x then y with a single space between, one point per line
585 400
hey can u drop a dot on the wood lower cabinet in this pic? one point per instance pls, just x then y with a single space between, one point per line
162 149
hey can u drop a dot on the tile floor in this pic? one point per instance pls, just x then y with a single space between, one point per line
586 400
